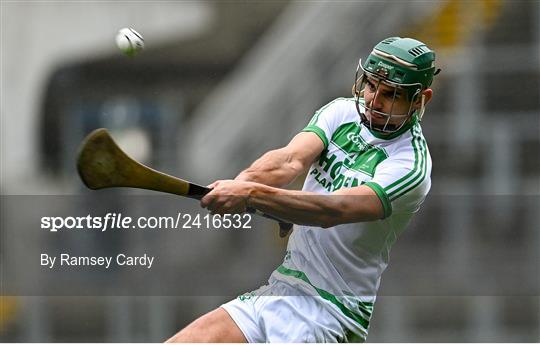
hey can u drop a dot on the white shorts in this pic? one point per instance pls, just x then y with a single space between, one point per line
279 313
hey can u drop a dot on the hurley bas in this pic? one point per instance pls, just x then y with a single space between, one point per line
101 261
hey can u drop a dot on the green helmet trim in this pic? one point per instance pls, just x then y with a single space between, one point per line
403 61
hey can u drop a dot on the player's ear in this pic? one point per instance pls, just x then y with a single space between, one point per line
428 94
425 97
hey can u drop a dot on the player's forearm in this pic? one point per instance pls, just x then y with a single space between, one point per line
307 208
275 168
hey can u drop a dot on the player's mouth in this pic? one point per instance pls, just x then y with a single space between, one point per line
374 116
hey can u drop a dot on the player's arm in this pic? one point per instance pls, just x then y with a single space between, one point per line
347 205
280 167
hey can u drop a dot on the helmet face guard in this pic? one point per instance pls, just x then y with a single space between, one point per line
411 91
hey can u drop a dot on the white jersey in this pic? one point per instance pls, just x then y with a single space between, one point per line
343 264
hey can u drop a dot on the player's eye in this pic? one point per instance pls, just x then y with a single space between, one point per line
390 95
371 86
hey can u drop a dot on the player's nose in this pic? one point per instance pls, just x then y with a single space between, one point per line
376 102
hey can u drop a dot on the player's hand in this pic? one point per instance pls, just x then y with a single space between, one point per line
227 196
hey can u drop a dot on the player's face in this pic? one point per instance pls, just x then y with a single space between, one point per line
383 98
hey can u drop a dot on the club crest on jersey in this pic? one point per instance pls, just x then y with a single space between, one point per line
355 139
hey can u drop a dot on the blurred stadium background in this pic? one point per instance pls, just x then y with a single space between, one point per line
221 82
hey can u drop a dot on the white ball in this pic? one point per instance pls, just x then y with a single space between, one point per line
129 41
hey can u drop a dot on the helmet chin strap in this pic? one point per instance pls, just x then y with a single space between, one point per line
422 107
